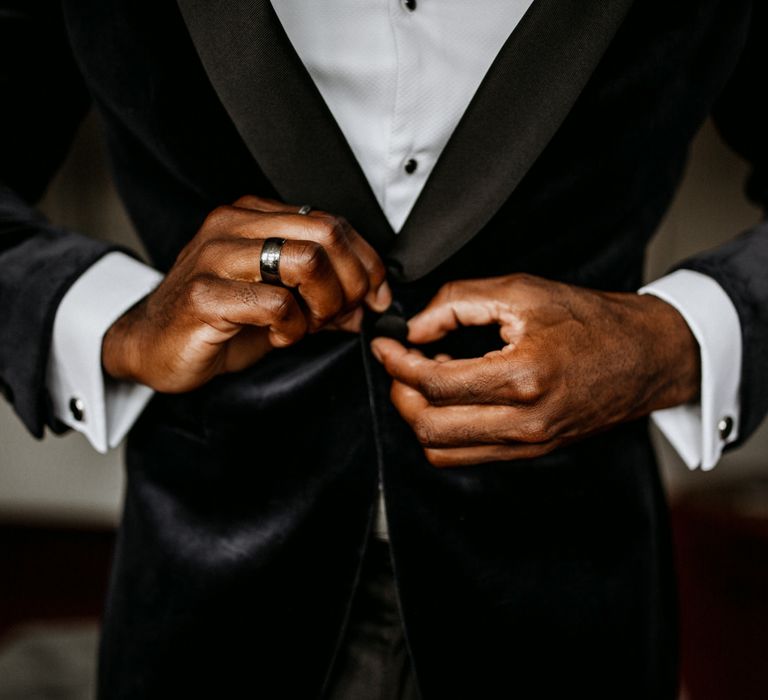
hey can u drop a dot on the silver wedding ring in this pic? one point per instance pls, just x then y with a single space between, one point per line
270 260
269 264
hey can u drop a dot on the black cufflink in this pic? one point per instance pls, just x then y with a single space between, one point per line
725 427
77 409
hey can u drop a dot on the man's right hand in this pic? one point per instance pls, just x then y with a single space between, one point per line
212 313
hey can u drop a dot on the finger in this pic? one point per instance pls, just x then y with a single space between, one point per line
247 347
468 426
332 233
264 204
351 322
456 305
379 296
485 380
227 305
241 222
470 456
359 274
304 265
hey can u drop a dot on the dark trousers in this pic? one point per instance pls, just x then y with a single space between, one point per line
373 662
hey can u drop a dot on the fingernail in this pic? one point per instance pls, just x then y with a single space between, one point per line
376 351
383 297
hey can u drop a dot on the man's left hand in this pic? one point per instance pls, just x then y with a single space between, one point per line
575 362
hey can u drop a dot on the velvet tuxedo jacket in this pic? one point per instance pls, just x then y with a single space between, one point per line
249 501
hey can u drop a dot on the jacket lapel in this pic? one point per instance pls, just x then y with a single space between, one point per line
284 121
522 101
279 113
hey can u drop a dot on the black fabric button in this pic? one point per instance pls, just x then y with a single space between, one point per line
409 5
77 409
391 325
725 427
410 166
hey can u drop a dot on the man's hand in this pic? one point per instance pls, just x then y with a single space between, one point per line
576 362
212 314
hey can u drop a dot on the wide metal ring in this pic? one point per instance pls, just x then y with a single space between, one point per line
270 260
304 209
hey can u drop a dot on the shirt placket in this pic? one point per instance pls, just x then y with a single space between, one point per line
408 161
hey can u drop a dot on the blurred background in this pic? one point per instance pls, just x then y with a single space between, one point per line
60 500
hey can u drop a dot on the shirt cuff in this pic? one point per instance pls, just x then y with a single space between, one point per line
101 408
699 432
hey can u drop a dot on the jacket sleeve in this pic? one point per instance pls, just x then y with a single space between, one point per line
43 101
741 265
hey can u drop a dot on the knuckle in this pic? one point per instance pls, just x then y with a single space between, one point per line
425 431
358 289
197 291
332 229
531 385
378 273
313 259
435 388
342 223
281 305
217 218
520 278
290 334
539 429
209 252
454 290
247 201
448 291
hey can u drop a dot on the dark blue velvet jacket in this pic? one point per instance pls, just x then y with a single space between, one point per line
249 501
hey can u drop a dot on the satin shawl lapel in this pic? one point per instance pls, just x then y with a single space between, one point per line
522 101
279 113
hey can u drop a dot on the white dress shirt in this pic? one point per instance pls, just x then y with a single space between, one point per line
397 75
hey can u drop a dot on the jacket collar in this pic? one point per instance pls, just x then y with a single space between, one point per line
520 104
279 113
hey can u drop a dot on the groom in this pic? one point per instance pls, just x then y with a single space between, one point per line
492 176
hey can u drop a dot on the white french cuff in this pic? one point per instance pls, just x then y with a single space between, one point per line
101 408
699 432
